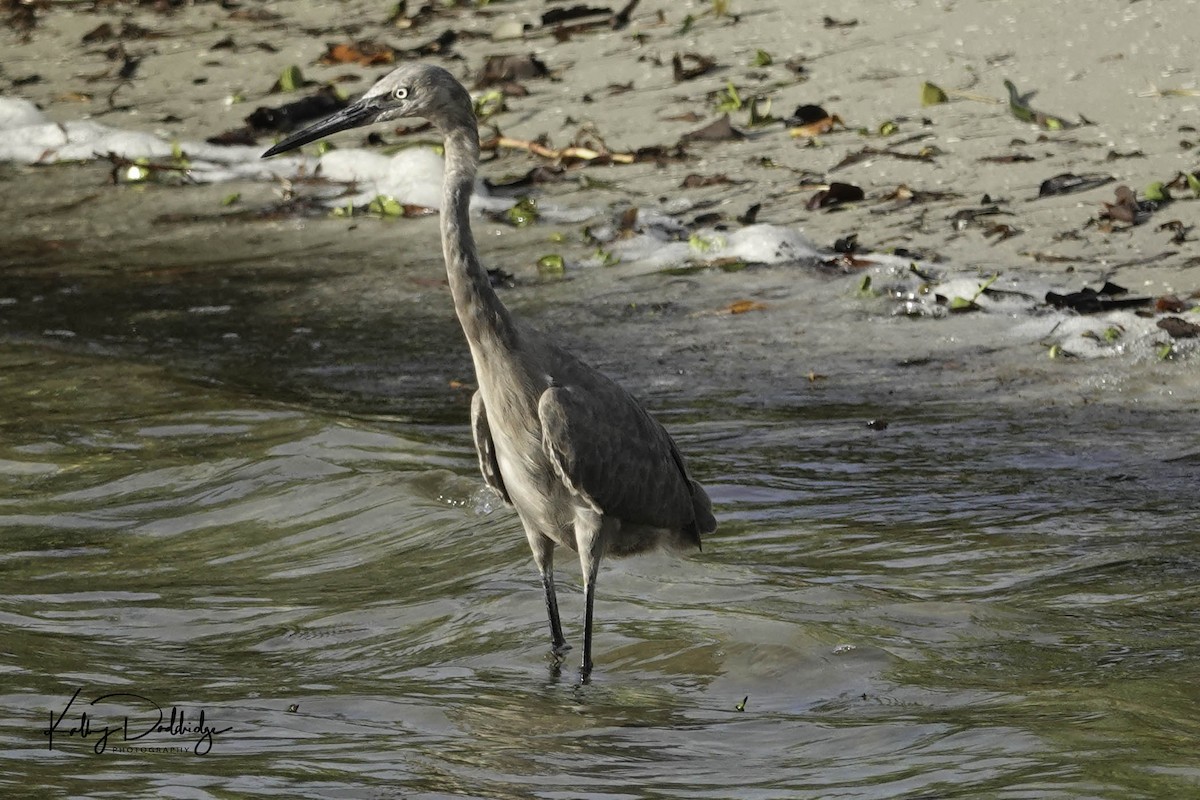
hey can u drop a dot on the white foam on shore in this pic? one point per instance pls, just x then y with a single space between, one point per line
414 176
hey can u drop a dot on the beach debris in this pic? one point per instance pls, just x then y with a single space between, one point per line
364 52
558 15
1126 209
1179 231
719 130
1108 297
745 306
598 153
835 194
503 70
812 120
1008 158
688 66
289 116
1070 183
960 305
289 80
551 266
1178 328
932 95
830 22
1018 105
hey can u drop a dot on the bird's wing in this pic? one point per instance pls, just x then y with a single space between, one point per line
486 448
610 452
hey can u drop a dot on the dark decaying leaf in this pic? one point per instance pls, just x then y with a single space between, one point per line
621 18
1093 301
830 22
440 45
835 194
548 173
966 217
690 65
286 209
1009 158
101 33
807 114
1178 328
695 181
245 135
289 116
557 15
720 130
508 68
751 214
1069 183
1125 209
254 15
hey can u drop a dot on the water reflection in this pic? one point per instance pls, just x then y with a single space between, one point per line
952 607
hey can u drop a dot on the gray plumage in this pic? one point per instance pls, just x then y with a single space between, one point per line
583 464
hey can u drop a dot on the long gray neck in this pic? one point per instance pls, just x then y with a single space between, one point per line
483 317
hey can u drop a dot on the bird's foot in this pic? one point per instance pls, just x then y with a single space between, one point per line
585 673
559 651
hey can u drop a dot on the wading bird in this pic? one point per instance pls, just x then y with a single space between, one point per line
585 466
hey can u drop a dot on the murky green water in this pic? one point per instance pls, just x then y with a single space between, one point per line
244 487
956 606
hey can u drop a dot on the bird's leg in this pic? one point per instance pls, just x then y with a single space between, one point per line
543 556
589 602
591 535
558 641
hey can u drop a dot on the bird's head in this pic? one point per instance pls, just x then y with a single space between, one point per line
413 90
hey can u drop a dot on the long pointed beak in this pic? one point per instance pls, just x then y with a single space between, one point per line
354 115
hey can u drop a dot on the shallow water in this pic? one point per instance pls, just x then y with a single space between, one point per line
954 606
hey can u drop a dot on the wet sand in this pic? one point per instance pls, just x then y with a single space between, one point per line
1093 63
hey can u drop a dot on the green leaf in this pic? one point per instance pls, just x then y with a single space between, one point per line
688 22
763 116
729 99
761 59
607 257
1015 105
932 95
1157 192
489 104
1112 333
551 266
385 206
742 705
324 147
524 213
1193 183
230 199
888 128
704 244
1164 351
290 79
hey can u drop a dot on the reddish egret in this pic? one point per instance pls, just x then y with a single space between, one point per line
583 463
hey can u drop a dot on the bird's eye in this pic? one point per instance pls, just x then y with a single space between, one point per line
400 93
